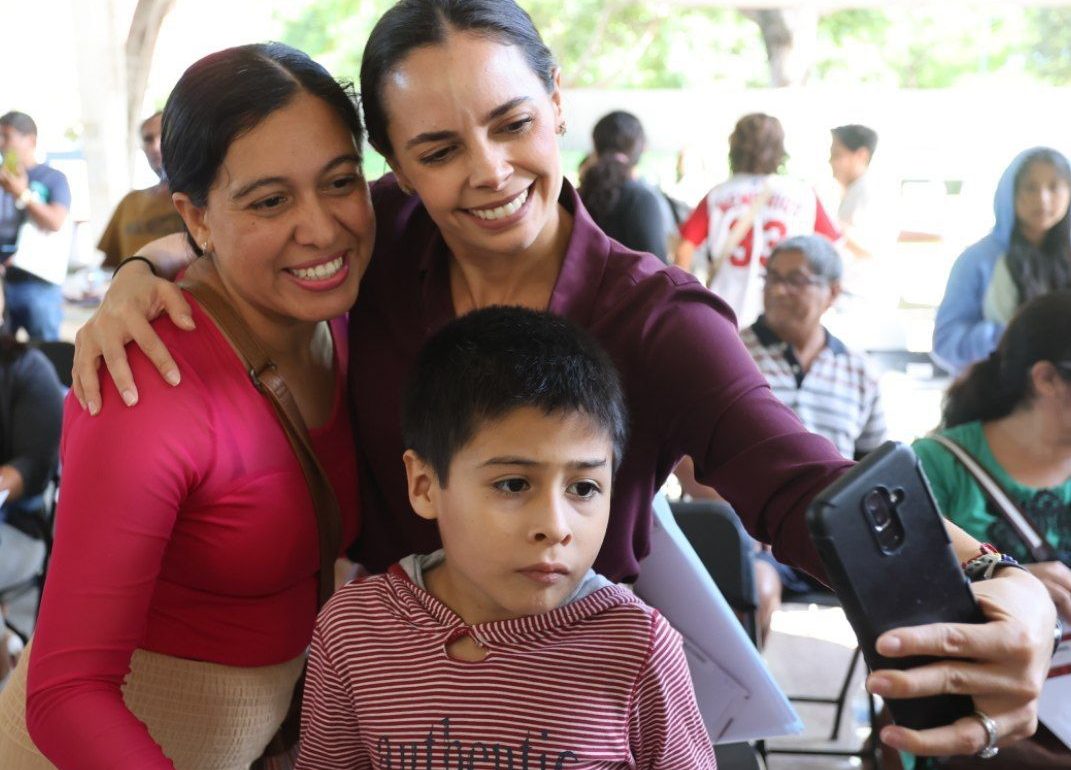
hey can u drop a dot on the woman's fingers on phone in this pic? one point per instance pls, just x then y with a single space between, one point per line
999 657
981 641
996 641
958 677
964 736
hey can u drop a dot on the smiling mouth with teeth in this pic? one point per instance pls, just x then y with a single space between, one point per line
320 272
501 212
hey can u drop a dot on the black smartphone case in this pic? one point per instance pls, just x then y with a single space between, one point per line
918 582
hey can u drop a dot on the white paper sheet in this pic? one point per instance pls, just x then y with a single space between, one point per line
740 706
1054 705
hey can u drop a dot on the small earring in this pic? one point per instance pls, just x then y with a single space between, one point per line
404 189
561 128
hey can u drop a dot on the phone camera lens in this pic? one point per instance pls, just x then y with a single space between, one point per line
876 506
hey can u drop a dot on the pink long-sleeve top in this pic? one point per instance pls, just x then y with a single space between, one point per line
186 528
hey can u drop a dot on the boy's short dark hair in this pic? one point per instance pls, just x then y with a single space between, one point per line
490 362
853 136
19 121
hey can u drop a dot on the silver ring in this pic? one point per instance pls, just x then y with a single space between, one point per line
990 749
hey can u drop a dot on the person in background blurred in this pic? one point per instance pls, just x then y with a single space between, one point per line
832 389
627 209
863 215
743 219
34 193
1011 414
142 215
1031 243
31 411
865 317
1038 261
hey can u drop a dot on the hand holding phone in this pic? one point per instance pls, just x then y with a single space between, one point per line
888 557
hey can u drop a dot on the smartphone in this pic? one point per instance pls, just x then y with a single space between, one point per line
889 559
11 162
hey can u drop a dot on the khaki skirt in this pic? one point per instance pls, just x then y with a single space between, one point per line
205 716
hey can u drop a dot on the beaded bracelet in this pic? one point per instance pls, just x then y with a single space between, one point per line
985 564
128 260
983 567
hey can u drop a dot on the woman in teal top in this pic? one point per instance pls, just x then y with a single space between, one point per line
1012 412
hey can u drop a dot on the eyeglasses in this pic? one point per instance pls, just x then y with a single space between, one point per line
795 281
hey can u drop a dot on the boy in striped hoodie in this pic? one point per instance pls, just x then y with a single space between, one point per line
503 650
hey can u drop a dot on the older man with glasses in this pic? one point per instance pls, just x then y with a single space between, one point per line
832 388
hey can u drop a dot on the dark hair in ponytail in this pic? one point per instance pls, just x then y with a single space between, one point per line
619 141
1000 384
1037 270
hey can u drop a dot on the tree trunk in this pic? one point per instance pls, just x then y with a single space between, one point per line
791 37
140 44
102 86
112 79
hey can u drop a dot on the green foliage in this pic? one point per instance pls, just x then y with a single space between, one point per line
854 26
334 32
938 46
642 44
597 43
657 44
949 45
1049 44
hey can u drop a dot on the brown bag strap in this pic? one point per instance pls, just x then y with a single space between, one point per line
265 376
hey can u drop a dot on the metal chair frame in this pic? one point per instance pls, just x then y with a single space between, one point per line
871 747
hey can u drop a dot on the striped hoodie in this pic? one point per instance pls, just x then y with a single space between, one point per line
598 683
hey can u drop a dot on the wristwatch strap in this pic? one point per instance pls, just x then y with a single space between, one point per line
25 198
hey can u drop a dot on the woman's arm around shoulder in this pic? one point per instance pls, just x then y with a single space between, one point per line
136 297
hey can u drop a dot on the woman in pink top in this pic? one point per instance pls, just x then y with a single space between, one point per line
184 583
